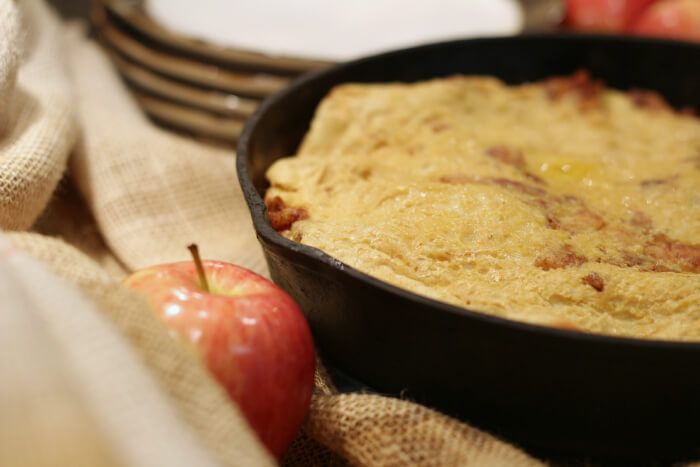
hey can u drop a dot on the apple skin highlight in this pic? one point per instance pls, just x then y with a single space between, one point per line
249 332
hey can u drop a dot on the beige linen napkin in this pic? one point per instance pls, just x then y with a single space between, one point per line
149 193
152 192
37 128
73 392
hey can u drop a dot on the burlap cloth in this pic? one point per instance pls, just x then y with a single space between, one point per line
90 190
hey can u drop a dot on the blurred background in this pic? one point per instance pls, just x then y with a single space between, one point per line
201 68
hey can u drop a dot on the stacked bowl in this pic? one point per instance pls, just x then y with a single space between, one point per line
186 84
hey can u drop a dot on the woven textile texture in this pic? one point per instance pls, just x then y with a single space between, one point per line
37 124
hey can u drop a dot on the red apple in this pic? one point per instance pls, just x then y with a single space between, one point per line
250 334
676 19
604 15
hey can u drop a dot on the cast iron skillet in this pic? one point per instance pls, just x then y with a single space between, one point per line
552 391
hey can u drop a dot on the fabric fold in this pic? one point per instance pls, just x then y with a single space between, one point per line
182 380
149 187
84 381
37 125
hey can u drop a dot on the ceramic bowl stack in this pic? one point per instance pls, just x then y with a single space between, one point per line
186 84
203 67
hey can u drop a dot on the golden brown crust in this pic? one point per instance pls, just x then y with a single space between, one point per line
580 84
514 158
594 280
282 216
559 202
507 155
646 99
684 255
571 214
562 257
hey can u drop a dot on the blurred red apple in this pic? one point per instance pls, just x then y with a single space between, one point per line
604 15
249 332
676 19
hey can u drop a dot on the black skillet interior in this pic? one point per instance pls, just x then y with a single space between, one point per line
551 391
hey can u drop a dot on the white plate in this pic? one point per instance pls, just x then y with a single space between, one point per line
334 29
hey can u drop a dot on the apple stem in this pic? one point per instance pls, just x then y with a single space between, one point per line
194 250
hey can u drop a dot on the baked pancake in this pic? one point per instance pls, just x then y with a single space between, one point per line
560 202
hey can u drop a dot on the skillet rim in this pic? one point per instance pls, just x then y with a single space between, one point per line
267 235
